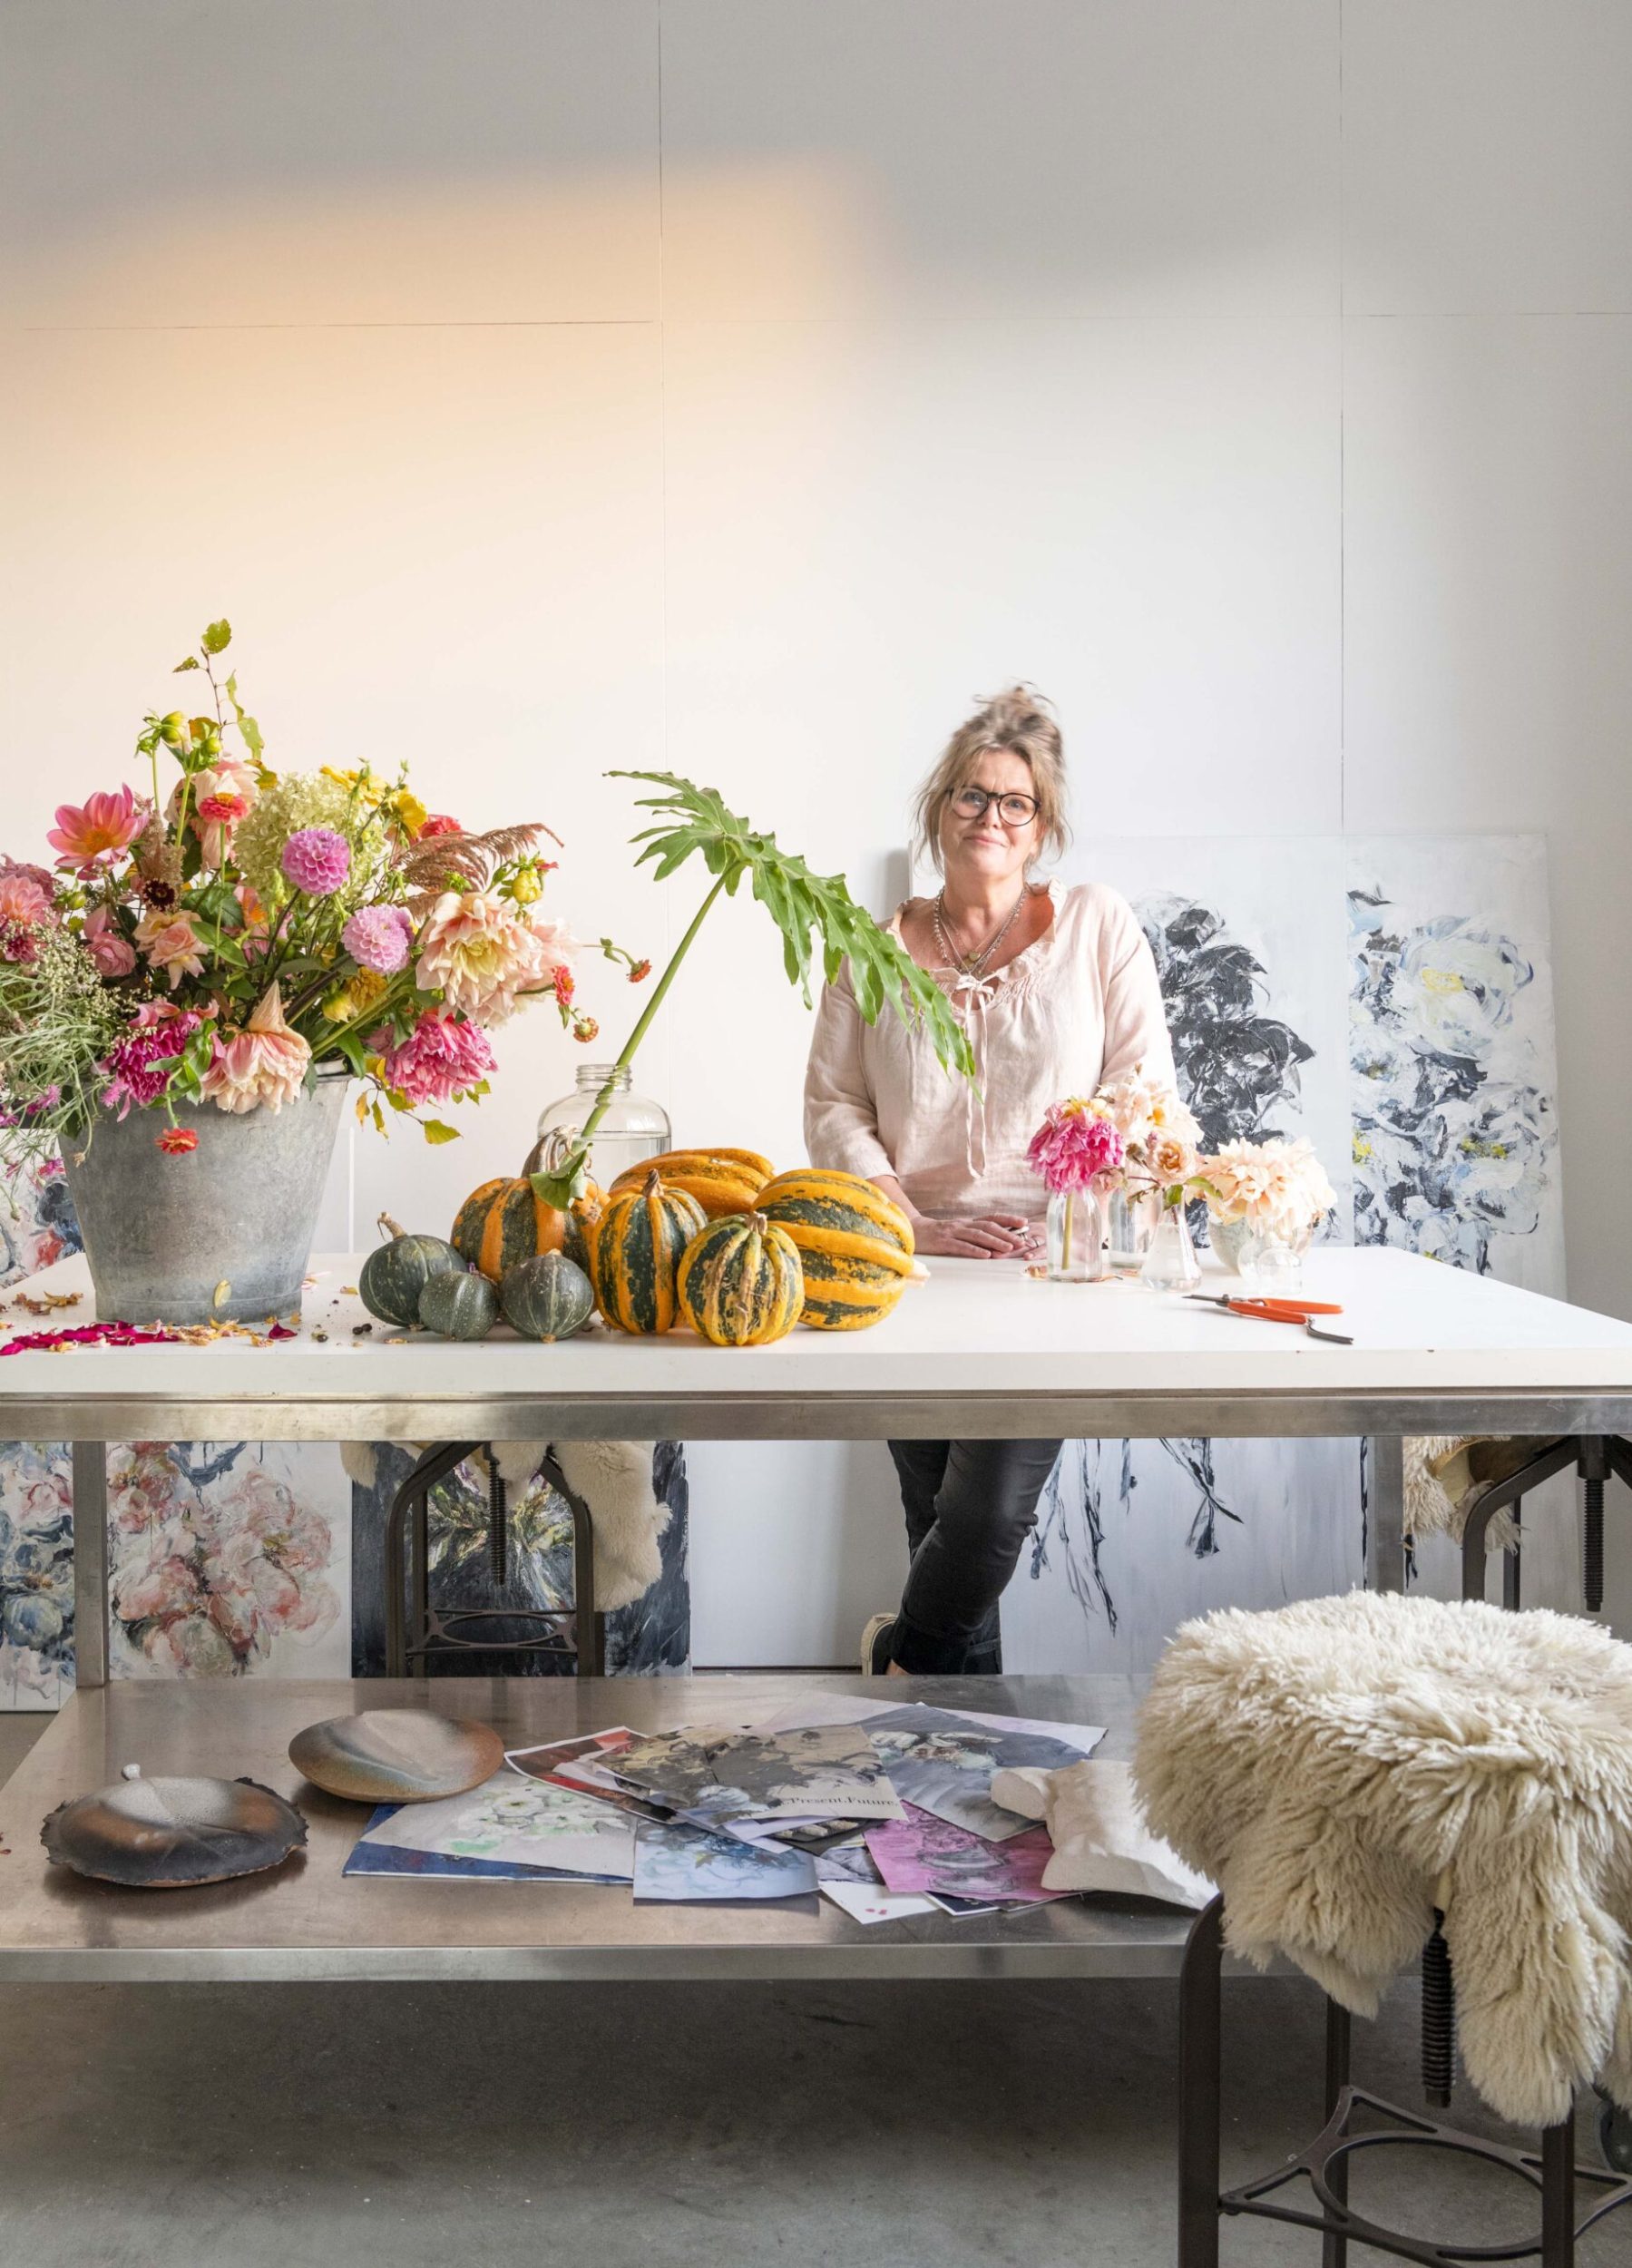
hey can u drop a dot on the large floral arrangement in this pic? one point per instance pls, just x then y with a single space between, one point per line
1280 1189
217 943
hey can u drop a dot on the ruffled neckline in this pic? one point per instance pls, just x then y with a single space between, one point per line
1026 961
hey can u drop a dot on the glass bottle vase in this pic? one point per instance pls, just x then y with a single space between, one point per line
633 1129
1076 1236
1170 1265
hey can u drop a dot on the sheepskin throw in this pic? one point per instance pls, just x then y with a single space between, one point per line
1341 1767
612 1478
1446 1476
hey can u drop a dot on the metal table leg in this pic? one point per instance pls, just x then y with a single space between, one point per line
1200 2018
1385 1538
90 1563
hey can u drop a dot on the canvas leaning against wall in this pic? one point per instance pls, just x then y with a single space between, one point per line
1392 999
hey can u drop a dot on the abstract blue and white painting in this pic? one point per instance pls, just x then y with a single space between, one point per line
1392 1000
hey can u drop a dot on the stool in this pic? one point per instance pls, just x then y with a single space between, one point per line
1595 1457
415 1629
1340 1768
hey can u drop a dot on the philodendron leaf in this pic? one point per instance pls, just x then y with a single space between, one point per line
804 906
567 1182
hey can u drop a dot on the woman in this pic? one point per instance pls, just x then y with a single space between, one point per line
1058 992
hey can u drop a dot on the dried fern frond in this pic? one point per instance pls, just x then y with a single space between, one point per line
473 859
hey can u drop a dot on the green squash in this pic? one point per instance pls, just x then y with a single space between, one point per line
548 1297
395 1273
463 1306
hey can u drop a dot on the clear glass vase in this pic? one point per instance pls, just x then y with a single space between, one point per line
1170 1264
633 1130
1272 1259
1076 1236
1131 1218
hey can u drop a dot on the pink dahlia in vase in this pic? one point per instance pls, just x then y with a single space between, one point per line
1074 1146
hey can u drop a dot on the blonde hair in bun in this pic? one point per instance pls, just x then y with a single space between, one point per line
1021 722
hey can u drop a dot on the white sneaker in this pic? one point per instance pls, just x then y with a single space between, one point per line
869 1643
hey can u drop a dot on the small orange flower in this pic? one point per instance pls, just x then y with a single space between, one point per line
176 1140
586 1029
639 969
566 984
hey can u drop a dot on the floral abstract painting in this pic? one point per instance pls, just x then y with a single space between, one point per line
36 1576
1450 1024
228 1558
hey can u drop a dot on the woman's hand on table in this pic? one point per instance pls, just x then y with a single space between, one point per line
982 1236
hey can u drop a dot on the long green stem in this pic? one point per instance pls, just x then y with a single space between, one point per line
603 1099
557 1187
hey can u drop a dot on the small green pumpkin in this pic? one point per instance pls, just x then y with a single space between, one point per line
463 1306
395 1273
548 1297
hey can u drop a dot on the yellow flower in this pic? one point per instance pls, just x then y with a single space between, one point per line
362 784
411 814
354 997
525 886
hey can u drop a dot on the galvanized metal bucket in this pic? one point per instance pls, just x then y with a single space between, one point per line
164 1234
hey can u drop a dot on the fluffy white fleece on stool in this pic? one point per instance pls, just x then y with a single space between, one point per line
613 1479
1343 1767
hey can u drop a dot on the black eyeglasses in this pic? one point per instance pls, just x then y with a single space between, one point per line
1013 810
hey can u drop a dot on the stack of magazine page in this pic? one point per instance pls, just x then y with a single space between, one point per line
884 1808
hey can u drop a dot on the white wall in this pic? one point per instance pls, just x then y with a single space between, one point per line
742 384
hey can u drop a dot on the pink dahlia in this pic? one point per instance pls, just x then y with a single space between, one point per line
113 954
264 1063
1073 1147
475 951
139 1066
97 830
21 897
317 861
379 937
440 1059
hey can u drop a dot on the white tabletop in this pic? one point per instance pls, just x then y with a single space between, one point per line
979 1348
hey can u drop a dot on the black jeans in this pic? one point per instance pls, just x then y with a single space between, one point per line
970 1507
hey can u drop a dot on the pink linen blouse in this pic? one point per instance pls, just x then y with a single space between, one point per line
1079 1007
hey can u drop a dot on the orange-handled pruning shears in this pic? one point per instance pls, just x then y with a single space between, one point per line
1280 1311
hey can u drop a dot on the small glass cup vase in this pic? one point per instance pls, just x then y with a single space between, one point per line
1131 1218
1170 1265
1076 1236
1272 1260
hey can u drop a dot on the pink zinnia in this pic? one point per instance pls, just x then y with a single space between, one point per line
141 1064
379 937
1072 1146
438 824
317 861
98 829
440 1059
264 1063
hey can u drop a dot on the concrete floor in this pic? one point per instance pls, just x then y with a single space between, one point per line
897 2126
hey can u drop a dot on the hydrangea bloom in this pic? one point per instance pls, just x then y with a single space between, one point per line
440 1059
317 861
1074 1146
379 937
264 1063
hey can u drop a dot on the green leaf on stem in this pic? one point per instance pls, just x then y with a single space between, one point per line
804 906
568 1182
191 662
436 1131
218 637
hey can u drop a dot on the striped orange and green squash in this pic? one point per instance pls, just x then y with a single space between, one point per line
636 1251
721 1180
854 1246
506 1221
740 1282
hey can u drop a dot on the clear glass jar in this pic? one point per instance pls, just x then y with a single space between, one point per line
1131 1218
1272 1259
1170 1264
633 1129
1076 1236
